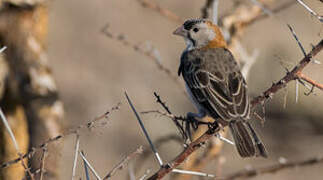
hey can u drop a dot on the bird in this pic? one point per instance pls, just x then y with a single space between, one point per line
215 84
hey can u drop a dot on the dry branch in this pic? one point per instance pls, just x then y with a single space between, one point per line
289 76
88 125
137 48
273 168
164 12
123 162
42 164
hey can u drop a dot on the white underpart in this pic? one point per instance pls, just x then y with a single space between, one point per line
189 44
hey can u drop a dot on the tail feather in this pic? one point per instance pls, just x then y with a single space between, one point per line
247 142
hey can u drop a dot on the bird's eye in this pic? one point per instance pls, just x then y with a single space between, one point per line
195 29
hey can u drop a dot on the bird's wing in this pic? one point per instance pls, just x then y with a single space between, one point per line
215 80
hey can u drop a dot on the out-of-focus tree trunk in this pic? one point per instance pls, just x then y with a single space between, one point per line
27 88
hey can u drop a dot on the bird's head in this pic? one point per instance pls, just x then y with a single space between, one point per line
201 33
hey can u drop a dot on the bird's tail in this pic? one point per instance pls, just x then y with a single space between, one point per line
246 140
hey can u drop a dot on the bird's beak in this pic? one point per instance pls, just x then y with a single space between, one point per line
180 31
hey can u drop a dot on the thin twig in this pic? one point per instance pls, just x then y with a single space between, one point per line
145 131
164 12
42 165
296 38
248 173
77 146
87 125
123 162
175 120
148 53
320 18
89 165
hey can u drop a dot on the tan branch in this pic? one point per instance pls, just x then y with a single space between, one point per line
311 81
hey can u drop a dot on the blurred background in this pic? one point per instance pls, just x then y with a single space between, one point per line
92 71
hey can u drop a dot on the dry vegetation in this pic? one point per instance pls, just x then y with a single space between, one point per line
31 128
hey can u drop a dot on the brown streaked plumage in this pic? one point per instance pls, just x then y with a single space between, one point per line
216 85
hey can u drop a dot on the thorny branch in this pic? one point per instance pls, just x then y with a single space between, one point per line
88 125
123 162
260 99
273 168
293 75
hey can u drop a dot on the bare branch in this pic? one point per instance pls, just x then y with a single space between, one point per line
148 53
123 162
175 119
162 11
42 165
87 125
289 76
273 168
